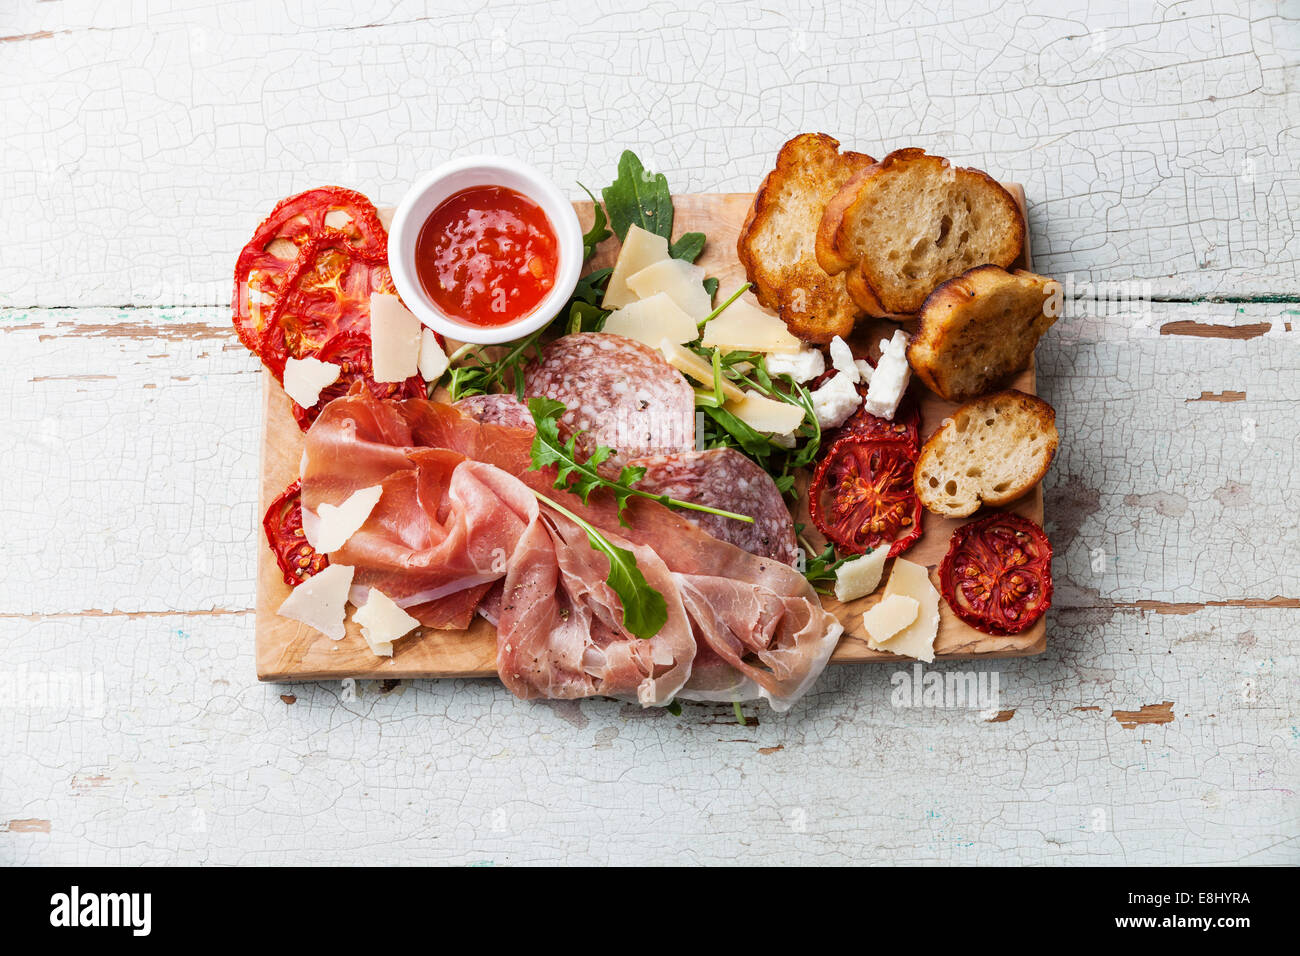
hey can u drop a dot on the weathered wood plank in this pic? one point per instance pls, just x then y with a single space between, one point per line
1158 144
187 759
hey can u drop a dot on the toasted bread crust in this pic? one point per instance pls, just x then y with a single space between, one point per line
977 331
866 299
954 470
814 305
911 176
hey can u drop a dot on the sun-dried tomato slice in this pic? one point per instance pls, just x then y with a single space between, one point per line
905 428
351 353
283 524
307 274
997 575
862 497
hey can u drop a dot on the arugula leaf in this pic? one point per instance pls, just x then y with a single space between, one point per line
645 611
591 287
821 569
711 286
638 198
597 233
754 443
688 246
583 477
585 317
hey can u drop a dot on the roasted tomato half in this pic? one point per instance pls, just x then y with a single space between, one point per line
283 524
351 352
906 426
862 497
307 274
997 575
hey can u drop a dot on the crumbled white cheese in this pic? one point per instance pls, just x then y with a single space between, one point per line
320 600
864 369
333 525
889 381
835 401
305 378
801 366
842 359
859 577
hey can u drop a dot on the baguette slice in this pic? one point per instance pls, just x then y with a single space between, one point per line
913 221
979 329
777 242
990 452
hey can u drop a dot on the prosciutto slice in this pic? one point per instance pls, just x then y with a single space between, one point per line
458 520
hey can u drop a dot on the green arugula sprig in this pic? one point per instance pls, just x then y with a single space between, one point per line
645 611
482 375
821 569
583 477
748 370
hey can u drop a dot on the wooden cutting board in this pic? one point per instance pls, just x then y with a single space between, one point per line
287 650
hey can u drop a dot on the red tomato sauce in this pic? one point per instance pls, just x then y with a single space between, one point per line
487 255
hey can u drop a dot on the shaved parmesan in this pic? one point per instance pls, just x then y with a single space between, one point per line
858 577
433 360
383 622
683 282
304 379
766 415
746 328
652 321
640 249
320 600
394 338
891 615
688 363
334 525
916 639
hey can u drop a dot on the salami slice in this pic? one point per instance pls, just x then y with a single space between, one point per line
503 409
724 478
618 392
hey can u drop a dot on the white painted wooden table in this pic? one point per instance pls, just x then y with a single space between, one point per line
1158 145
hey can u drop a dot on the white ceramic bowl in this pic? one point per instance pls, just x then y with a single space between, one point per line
425 196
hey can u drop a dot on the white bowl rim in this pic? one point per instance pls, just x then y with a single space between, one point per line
405 230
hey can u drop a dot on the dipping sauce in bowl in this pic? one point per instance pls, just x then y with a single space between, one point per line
485 249
487 255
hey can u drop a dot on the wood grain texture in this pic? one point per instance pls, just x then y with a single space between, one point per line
1159 144
289 651
1158 139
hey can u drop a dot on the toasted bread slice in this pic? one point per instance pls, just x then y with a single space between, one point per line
990 452
777 241
913 221
979 329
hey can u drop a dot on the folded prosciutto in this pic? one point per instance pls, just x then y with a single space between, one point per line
458 528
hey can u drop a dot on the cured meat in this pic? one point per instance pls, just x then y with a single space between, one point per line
618 393
724 478
560 633
766 632
503 409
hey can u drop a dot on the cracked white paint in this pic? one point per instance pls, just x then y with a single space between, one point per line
1158 143
132 435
